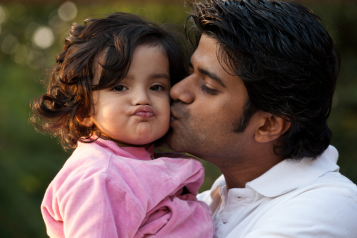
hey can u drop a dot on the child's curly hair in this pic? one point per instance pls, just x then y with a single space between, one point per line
70 86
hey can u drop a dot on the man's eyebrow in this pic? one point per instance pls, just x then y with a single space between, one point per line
209 74
212 76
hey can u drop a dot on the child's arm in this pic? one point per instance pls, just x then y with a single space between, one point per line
91 207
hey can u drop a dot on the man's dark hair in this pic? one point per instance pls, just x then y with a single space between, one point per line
286 59
70 84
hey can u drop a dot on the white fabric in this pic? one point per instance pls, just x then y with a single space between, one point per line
302 199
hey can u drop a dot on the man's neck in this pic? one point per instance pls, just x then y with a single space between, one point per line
240 173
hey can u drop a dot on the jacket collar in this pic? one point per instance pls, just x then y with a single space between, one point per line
139 153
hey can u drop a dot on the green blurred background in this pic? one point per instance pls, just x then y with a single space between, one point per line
32 33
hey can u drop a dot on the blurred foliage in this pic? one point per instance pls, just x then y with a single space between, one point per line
29 160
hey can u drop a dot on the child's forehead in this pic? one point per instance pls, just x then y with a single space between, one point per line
102 58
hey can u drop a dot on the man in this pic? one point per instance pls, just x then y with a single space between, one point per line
255 105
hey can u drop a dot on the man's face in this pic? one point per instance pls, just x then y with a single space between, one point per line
208 106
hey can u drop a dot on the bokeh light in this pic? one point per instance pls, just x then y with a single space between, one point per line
21 54
9 44
3 15
67 11
56 22
43 37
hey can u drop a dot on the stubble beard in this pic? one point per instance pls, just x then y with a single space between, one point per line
191 137
179 140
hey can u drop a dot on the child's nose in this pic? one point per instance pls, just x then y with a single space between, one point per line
141 97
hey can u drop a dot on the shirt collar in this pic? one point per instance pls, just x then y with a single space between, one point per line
139 153
289 175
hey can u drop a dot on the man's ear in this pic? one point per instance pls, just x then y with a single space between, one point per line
270 127
85 121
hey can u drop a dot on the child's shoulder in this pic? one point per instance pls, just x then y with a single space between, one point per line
90 153
88 162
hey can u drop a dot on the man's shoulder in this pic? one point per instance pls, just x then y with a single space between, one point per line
331 186
328 203
331 198
334 180
323 207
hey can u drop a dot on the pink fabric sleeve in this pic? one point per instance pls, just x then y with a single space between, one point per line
92 207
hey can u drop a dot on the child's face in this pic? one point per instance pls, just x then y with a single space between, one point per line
137 110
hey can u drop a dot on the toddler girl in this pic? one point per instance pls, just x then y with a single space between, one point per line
108 97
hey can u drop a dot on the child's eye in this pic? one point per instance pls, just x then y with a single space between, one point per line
120 88
157 87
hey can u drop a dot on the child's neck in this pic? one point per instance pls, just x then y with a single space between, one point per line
122 144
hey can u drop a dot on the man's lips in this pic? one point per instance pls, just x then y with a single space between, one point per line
144 111
172 117
175 111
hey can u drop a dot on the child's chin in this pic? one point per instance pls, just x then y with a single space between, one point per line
146 141
147 136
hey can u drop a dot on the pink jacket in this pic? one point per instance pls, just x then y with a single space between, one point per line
106 191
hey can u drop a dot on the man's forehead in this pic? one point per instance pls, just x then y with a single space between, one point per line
207 47
208 57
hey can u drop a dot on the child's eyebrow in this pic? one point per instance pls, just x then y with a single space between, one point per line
156 76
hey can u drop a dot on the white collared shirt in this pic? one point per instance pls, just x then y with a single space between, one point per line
302 199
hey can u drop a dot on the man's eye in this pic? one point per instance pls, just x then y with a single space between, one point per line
120 88
208 90
157 88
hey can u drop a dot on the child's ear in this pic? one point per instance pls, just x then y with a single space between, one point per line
271 127
84 120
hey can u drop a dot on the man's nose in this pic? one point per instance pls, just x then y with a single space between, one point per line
140 97
183 90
